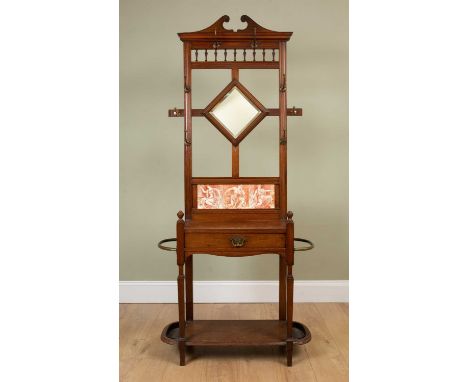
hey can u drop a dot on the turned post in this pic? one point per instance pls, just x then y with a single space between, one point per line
282 288
180 284
290 285
189 287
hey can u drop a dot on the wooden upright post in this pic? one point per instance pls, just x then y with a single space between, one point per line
180 284
282 288
189 287
290 286
283 129
187 130
235 148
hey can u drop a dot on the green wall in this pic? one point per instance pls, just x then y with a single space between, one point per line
151 144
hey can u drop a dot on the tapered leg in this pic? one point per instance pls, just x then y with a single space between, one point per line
189 287
181 284
182 352
180 289
289 353
282 288
289 286
289 340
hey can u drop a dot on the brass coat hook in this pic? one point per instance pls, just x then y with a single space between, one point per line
283 139
216 44
187 140
254 43
283 84
186 87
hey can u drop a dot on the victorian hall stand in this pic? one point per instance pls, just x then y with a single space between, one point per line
235 216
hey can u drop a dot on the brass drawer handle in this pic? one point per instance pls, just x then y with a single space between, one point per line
238 241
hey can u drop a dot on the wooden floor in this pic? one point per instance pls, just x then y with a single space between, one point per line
143 357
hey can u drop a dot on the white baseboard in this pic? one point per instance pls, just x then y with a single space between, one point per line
233 291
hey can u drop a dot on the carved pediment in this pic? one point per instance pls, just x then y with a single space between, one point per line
217 31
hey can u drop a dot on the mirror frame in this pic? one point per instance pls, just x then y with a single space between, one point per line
207 112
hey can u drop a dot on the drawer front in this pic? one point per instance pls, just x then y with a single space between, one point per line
234 241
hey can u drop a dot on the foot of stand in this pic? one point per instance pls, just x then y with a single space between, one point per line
182 353
289 352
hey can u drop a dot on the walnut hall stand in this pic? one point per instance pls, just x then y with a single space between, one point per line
235 216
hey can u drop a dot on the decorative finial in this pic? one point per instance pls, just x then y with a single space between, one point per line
289 215
180 214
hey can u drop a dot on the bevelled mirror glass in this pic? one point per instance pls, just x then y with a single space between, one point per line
235 112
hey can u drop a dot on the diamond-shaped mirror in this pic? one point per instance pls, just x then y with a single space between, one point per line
235 112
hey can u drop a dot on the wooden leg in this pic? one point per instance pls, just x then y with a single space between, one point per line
180 284
180 289
289 353
182 353
189 287
289 343
282 288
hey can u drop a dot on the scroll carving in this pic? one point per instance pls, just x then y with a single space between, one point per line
251 28
217 32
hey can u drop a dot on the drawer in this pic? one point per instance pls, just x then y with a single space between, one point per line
233 241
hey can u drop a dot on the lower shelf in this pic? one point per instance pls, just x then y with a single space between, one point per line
236 333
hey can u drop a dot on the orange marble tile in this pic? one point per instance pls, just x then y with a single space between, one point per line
235 196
